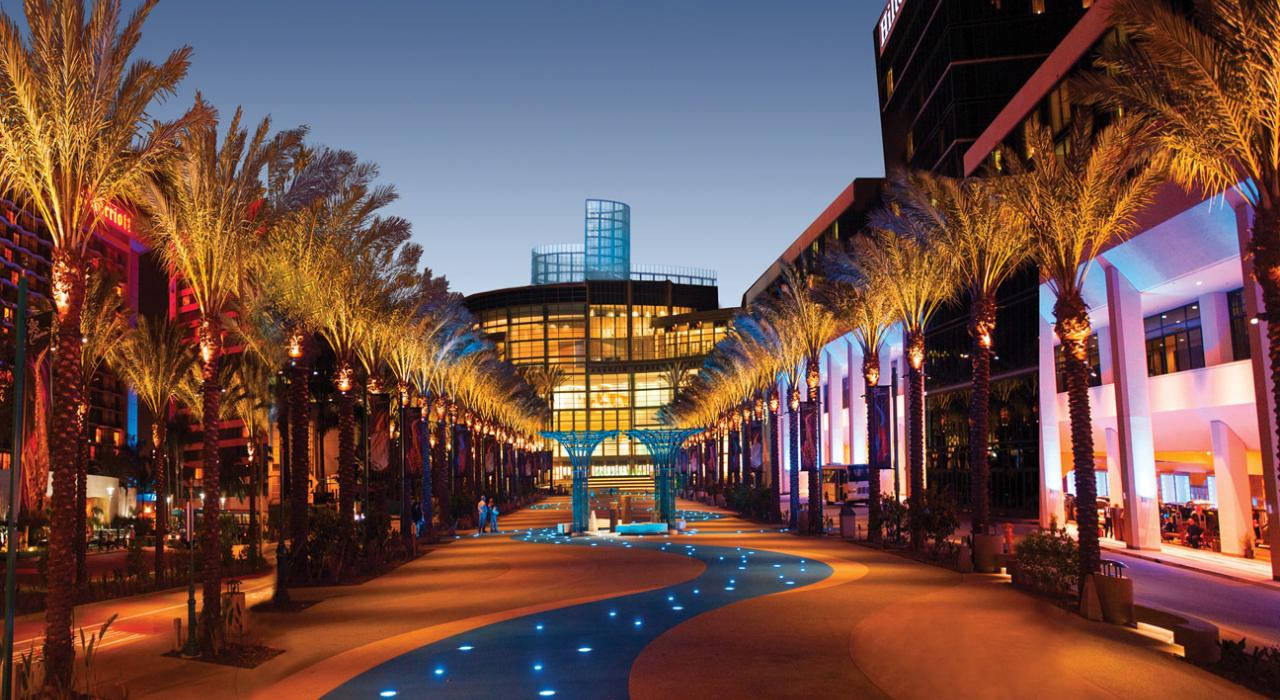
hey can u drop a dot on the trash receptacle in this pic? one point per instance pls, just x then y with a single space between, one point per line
848 521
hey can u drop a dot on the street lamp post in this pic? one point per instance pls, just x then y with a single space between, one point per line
191 648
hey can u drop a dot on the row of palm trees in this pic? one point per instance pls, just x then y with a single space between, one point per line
275 242
1193 99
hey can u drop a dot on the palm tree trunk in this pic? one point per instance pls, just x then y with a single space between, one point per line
809 413
1073 328
58 652
870 369
982 325
255 488
915 434
793 475
428 464
775 493
160 467
82 486
299 457
1265 247
211 390
346 456
439 459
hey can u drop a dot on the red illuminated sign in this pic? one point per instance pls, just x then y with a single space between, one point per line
112 214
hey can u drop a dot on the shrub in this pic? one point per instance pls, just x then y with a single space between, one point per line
1258 669
893 519
939 517
1047 561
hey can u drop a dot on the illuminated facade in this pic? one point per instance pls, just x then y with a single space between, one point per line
27 248
614 329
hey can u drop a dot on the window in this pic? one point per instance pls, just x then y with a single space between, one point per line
888 84
1094 359
1239 316
1174 343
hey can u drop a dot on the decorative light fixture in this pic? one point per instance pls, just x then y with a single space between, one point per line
345 377
295 344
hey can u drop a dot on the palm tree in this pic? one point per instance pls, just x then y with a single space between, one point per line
974 220
915 273
1076 200
103 327
1210 84
74 133
341 266
866 307
251 404
806 325
153 362
203 224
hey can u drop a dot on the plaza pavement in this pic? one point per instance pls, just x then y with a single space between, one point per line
881 625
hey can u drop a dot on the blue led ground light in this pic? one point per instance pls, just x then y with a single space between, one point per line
582 651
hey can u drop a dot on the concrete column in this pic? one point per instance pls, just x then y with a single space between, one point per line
1262 386
1051 510
1105 369
1231 472
1215 328
1133 412
1115 482
835 410
857 433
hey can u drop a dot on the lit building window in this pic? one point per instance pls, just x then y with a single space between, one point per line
1174 341
1239 315
1095 364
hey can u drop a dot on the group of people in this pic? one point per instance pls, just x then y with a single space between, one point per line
486 515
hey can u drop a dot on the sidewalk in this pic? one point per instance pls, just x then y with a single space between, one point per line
1257 571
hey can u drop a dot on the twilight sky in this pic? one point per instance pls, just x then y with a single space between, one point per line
727 125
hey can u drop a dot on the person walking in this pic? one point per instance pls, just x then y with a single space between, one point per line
417 517
482 515
493 516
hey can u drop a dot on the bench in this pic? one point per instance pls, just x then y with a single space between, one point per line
1198 638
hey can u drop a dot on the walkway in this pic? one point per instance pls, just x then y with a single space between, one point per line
878 625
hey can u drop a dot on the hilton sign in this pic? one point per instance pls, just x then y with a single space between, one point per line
887 20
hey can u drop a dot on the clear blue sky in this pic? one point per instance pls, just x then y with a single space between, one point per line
727 125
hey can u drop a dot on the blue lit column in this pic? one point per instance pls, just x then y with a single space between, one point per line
664 446
580 444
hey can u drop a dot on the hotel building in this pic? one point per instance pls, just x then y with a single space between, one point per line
1181 408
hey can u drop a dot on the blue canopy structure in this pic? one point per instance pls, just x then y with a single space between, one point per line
580 444
664 446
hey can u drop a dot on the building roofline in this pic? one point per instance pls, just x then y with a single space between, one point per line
843 201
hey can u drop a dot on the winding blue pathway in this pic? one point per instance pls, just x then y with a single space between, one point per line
581 651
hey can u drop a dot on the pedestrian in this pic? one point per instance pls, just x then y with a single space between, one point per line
493 516
417 517
482 515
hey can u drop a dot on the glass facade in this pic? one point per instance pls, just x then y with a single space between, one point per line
1174 343
608 240
614 343
1239 316
557 263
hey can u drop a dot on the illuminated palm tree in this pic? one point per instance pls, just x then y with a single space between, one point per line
103 327
250 402
1209 84
806 325
915 273
867 309
203 225
74 134
153 362
974 220
1076 200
